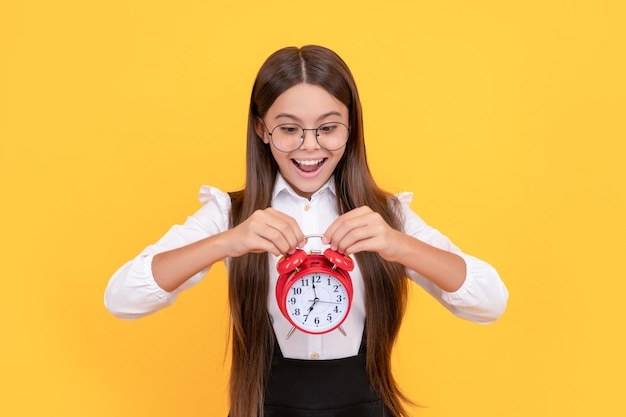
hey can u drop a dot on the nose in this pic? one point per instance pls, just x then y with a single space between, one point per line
309 141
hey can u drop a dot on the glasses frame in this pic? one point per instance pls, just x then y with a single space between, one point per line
304 135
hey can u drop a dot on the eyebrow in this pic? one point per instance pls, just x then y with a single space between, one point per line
296 118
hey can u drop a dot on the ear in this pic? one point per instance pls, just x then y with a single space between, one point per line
260 130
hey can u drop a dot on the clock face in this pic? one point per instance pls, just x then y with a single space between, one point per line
317 302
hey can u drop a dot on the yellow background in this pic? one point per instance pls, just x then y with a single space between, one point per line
505 118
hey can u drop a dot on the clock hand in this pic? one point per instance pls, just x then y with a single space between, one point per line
317 300
306 316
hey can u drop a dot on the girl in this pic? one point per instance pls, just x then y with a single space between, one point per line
307 174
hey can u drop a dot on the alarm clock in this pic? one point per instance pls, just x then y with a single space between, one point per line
314 290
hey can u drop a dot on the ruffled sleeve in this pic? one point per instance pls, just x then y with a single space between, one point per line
132 291
483 296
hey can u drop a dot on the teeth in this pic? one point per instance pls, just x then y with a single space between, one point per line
319 161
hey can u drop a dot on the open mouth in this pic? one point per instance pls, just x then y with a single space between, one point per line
309 165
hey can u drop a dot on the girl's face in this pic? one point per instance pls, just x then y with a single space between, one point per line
310 166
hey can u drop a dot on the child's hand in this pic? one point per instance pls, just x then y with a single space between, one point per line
361 230
266 230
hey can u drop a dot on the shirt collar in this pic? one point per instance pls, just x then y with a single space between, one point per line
281 185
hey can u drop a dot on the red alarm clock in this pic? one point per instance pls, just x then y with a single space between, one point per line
314 291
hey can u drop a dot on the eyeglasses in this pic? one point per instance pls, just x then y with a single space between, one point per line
289 137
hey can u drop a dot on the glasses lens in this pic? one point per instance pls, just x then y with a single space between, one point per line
332 136
287 137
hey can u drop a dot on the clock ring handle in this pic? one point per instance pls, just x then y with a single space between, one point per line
314 235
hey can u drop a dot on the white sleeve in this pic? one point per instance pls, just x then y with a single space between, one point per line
132 291
483 296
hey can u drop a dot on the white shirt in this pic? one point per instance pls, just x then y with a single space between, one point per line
132 291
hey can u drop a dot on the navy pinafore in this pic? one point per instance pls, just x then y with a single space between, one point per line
321 388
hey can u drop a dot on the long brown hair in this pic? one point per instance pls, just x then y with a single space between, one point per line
385 283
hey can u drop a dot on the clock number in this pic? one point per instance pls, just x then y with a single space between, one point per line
292 300
316 279
305 282
297 290
336 309
336 288
329 317
316 320
339 298
296 312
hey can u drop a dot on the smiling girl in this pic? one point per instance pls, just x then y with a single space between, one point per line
307 174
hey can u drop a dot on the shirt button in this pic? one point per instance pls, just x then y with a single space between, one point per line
322 191
314 355
307 207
